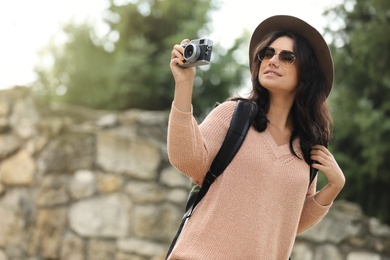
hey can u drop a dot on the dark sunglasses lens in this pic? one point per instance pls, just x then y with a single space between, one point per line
287 57
266 53
269 53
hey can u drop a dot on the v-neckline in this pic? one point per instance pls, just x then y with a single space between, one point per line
278 150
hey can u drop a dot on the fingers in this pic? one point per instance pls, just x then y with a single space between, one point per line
177 53
182 75
325 162
176 58
184 41
321 148
321 156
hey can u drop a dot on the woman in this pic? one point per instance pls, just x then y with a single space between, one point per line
255 209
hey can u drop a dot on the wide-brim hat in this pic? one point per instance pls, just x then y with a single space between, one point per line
309 33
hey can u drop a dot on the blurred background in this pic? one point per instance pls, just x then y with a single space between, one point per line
113 55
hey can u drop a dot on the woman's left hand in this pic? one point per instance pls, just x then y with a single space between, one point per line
326 163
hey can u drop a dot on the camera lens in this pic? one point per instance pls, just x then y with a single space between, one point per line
191 52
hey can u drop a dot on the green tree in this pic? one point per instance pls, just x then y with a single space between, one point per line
361 101
129 67
81 68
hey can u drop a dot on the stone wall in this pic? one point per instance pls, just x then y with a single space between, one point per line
82 184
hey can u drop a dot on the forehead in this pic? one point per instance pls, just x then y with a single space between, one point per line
283 43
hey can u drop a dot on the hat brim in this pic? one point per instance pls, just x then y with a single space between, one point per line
309 33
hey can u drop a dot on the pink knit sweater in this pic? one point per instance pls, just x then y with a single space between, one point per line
255 209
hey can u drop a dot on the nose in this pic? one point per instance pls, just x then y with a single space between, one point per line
274 60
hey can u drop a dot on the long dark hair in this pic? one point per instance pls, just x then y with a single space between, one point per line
310 113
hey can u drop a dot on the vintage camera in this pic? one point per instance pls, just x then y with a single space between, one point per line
197 52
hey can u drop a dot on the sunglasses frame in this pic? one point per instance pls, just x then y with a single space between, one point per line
281 55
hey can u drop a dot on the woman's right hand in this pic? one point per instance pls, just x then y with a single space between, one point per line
184 79
182 76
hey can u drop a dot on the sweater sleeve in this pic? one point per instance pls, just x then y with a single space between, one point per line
192 147
312 212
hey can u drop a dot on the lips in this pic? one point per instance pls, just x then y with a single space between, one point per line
271 72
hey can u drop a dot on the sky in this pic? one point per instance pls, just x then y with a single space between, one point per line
26 26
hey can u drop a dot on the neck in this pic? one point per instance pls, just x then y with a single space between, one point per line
279 113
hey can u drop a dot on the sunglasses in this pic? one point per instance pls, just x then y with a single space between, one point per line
286 58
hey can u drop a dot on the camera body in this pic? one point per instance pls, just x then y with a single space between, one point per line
197 52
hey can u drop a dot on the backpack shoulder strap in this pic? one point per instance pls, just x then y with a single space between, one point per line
312 175
242 117
241 120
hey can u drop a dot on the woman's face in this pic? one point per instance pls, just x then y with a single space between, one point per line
276 77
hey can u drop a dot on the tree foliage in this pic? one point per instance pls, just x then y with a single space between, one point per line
129 67
361 101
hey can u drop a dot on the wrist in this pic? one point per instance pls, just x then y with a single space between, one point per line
184 83
336 187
